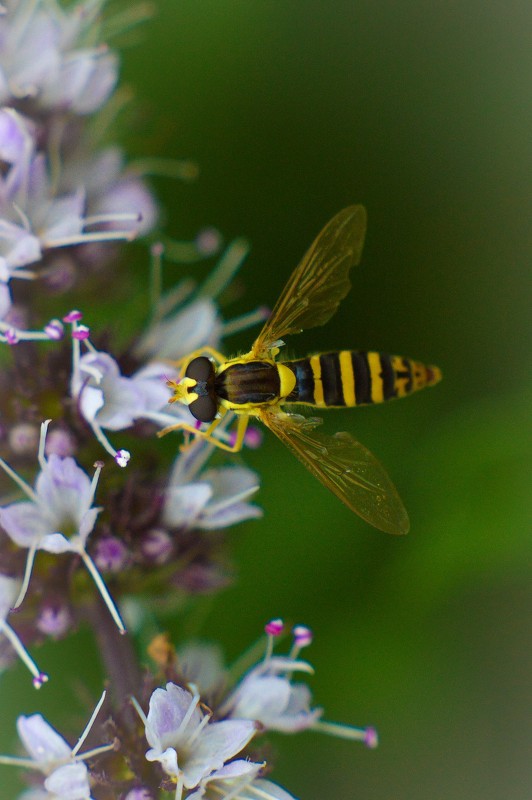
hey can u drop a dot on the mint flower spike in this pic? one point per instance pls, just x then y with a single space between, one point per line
66 774
185 742
58 516
9 589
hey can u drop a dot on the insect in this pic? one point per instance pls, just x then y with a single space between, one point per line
257 385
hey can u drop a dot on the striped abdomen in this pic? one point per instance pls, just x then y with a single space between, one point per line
354 378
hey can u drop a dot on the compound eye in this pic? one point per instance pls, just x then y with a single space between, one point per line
204 408
200 369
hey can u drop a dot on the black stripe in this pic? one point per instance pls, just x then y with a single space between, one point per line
362 378
303 391
388 377
331 378
406 372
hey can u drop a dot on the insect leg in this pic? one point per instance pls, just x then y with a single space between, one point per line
207 435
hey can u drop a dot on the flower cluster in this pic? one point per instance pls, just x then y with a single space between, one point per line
194 750
62 195
94 511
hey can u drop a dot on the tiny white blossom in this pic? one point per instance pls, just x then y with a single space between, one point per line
239 780
225 785
209 499
58 517
66 776
185 742
114 401
192 326
268 695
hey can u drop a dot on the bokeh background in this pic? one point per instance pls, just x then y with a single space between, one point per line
422 112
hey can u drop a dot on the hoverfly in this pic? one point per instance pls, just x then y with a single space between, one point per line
256 385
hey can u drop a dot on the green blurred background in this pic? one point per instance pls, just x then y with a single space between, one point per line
421 111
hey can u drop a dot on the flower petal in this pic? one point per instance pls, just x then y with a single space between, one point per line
219 741
23 522
42 742
69 782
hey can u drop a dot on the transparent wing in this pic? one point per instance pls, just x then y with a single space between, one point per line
319 282
345 467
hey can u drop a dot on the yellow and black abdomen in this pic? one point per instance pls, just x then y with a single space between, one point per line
355 378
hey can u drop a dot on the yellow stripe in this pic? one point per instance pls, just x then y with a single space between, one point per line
318 385
348 377
377 392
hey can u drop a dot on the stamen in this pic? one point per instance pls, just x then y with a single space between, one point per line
73 316
198 729
30 559
15 761
367 736
102 588
185 169
175 297
39 678
179 786
255 317
273 629
156 276
25 274
42 444
19 481
54 330
14 335
190 710
302 638
227 267
98 219
125 20
182 252
89 725
98 465
84 238
122 458
80 332
136 705
208 241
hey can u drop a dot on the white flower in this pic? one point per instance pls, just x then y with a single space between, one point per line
58 517
238 781
114 401
187 745
267 695
193 326
66 776
211 499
